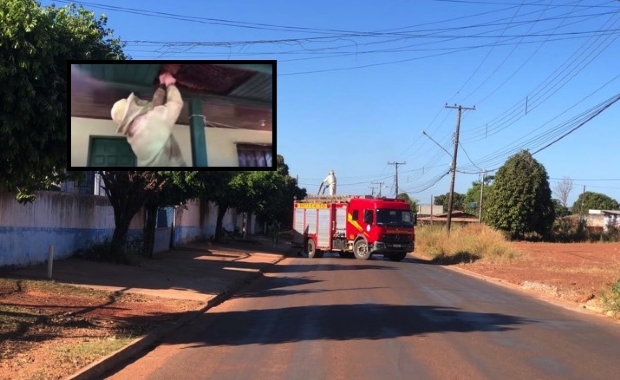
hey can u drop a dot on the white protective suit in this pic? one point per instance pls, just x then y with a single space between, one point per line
330 182
148 127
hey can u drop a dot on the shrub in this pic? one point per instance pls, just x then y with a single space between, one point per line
612 234
101 251
568 230
611 299
464 244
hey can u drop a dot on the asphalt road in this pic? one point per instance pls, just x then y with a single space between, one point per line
336 318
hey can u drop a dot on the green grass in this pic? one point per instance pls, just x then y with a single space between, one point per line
464 244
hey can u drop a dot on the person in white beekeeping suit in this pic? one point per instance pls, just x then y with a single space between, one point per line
329 182
148 125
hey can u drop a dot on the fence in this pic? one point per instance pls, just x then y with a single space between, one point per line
71 221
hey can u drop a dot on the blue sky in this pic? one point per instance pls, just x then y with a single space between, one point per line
359 81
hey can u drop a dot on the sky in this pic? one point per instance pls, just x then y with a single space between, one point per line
358 82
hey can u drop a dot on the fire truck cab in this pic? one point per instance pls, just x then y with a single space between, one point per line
354 225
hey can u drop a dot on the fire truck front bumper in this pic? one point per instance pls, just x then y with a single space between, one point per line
381 247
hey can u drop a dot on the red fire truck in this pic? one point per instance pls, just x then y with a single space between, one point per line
354 226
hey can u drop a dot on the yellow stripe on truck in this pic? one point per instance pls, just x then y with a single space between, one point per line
356 224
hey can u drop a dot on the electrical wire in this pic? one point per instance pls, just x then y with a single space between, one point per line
550 135
513 115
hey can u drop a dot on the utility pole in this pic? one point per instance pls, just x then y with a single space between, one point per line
380 186
396 176
431 210
372 189
456 150
581 206
484 172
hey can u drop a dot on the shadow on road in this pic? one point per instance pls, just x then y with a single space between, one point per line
340 322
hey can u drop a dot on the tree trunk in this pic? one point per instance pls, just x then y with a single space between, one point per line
119 238
221 211
149 230
172 227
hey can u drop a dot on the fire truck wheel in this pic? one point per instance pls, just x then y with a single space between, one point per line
398 256
312 251
360 250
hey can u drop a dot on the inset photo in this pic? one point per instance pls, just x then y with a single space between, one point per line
183 115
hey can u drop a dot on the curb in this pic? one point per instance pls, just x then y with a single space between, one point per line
151 340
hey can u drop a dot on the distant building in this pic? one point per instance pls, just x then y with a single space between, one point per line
600 220
427 210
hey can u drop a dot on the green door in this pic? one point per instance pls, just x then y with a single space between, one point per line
110 151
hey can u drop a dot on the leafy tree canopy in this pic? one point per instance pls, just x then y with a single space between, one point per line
413 203
458 202
560 210
520 199
35 44
594 201
473 195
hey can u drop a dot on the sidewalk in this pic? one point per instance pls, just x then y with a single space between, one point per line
203 272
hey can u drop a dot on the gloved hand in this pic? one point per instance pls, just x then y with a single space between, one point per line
167 79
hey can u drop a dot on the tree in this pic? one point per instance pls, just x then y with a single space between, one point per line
473 195
413 203
520 200
458 202
284 212
263 193
560 210
563 189
128 192
35 44
594 201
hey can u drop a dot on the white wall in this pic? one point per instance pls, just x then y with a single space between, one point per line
73 221
68 221
82 129
221 143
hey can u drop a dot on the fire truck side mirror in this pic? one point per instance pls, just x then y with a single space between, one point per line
415 219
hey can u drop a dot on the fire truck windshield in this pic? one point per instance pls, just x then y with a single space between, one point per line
394 218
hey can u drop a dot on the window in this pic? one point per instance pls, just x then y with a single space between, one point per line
368 216
355 215
395 218
255 156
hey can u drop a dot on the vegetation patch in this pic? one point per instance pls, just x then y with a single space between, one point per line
10 285
101 251
464 244
611 299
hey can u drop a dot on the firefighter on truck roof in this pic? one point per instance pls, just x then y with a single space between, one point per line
329 181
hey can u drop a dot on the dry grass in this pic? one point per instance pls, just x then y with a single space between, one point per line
464 244
39 332
584 269
10 285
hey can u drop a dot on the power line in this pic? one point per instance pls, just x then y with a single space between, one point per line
580 124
